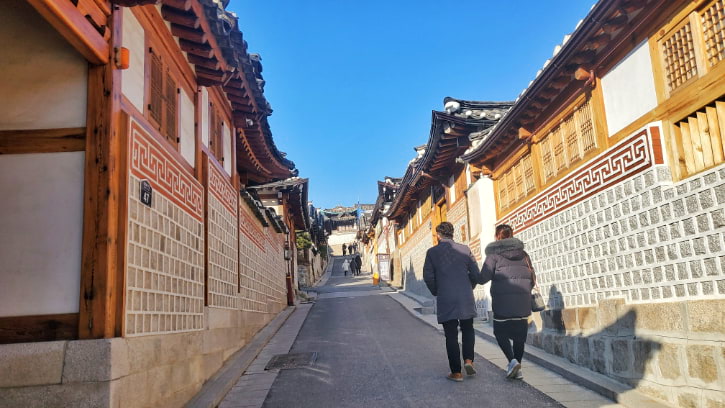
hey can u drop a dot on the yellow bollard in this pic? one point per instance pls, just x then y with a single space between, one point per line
376 279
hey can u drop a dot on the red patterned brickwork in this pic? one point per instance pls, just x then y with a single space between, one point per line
620 162
249 227
220 186
151 161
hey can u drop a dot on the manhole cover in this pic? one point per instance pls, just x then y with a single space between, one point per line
291 360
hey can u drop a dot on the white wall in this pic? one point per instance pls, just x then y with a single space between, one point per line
629 89
132 79
41 224
188 137
44 80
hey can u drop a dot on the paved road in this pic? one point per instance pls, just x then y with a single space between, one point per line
373 353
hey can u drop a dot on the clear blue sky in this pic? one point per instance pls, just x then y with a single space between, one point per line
353 83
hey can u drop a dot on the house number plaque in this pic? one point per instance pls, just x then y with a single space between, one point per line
146 193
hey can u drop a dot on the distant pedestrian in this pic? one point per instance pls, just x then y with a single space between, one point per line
346 266
508 267
358 263
353 272
451 273
344 249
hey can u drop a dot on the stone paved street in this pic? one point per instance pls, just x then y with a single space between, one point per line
373 353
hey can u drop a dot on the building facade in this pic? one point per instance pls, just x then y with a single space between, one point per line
609 167
139 258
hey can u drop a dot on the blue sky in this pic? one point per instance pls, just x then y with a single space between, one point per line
353 83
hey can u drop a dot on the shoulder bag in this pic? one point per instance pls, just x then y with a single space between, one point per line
537 301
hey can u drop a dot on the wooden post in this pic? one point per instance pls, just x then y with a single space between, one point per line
100 291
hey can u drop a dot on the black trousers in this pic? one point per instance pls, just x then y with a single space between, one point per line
511 331
450 328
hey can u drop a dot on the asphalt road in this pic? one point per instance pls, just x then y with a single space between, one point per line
373 353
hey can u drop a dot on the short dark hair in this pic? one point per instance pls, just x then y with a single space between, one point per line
445 229
504 231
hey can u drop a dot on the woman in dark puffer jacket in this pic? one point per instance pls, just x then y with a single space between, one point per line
508 267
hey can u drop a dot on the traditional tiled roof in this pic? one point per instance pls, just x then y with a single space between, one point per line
297 189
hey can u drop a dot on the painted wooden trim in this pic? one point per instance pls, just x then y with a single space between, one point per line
102 195
122 227
42 140
25 329
74 27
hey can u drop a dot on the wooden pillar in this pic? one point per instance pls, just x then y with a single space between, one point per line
101 279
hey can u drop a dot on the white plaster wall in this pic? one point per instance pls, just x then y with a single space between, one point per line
188 138
44 80
629 89
486 209
204 116
227 140
41 224
132 79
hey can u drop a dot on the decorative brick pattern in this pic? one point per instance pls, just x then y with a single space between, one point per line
222 233
262 267
165 273
150 161
645 239
619 163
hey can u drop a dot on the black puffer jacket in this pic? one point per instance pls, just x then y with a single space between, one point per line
507 266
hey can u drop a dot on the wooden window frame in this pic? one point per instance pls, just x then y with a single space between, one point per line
168 97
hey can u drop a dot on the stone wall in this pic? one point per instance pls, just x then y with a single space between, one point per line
412 255
632 267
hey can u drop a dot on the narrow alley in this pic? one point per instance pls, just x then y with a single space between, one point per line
372 352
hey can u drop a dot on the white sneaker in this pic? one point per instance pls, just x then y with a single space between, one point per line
519 375
513 368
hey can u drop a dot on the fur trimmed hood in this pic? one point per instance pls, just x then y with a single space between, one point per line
509 248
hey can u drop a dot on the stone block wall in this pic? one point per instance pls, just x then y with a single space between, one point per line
632 267
412 255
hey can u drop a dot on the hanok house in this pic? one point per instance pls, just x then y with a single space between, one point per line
131 267
434 190
379 238
341 226
609 167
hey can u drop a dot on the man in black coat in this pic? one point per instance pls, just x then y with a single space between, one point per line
451 273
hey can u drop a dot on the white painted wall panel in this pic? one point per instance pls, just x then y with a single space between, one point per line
41 224
132 79
204 106
629 89
188 138
227 140
44 80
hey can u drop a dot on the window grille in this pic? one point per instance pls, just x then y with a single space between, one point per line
157 88
547 158
518 181
528 170
713 24
570 136
678 51
559 152
585 126
511 186
502 196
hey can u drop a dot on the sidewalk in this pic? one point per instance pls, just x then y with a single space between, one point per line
543 376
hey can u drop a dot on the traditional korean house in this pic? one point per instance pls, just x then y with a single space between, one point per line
379 237
134 259
341 226
609 167
434 188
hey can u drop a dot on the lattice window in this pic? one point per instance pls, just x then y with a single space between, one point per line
713 27
570 136
678 51
528 170
163 98
156 83
171 102
547 159
585 127
560 158
518 180
511 186
502 196
699 139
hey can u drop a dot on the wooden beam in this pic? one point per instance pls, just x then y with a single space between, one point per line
42 140
524 134
201 50
100 291
175 16
25 329
75 28
185 33
211 64
184 5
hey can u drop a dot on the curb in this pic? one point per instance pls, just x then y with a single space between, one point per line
215 388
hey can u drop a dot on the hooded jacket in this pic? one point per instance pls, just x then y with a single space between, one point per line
507 266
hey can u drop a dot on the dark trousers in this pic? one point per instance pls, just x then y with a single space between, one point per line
511 331
450 328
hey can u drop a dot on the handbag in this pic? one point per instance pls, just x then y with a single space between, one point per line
537 301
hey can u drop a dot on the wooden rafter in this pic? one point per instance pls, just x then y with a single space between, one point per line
42 140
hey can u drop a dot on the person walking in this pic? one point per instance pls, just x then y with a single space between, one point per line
358 263
344 249
450 272
353 272
346 266
508 267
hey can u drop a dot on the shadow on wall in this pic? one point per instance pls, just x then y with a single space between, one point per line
414 284
601 339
